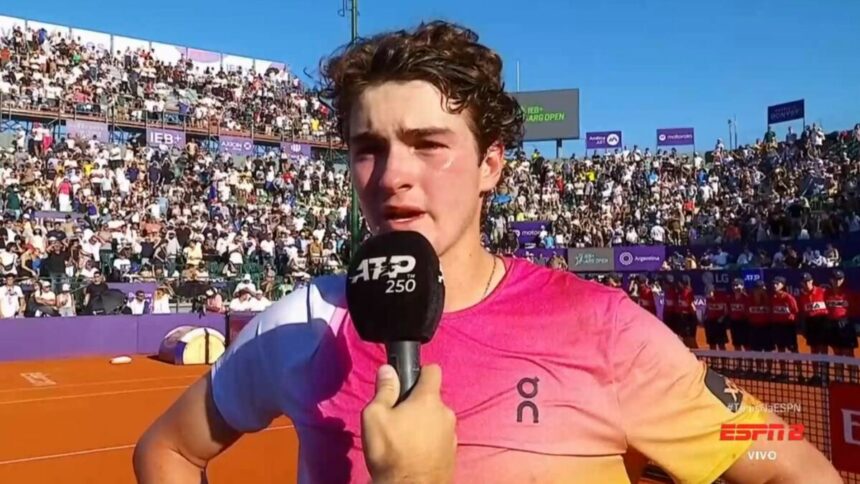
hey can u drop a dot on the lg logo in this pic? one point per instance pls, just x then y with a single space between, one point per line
373 268
528 389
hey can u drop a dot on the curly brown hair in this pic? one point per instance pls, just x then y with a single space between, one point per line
448 56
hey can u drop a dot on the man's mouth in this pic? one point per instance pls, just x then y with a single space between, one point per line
400 214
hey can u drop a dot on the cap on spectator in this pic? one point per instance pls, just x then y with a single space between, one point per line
26 216
65 288
838 274
685 279
247 278
779 280
210 292
806 277
46 284
738 282
759 283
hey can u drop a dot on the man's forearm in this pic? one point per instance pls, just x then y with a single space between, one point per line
160 465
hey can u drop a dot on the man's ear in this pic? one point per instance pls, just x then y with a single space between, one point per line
491 167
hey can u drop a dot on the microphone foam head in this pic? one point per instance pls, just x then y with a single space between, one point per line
394 288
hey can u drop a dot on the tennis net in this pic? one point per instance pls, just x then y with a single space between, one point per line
821 392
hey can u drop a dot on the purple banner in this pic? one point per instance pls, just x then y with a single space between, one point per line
236 145
602 140
675 137
541 254
48 338
528 233
786 112
169 137
296 149
639 258
87 129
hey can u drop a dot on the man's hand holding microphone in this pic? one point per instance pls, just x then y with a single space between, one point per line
395 293
413 442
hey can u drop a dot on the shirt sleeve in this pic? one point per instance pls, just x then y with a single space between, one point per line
673 406
265 372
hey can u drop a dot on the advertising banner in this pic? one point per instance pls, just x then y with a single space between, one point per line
845 426
639 258
588 260
236 145
675 137
87 129
602 140
786 112
296 149
528 232
550 115
169 137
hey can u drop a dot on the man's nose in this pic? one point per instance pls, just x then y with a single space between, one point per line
398 169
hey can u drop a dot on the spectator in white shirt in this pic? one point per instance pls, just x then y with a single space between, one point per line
241 302
45 300
12 302
65 302
245 285
260 302
138 304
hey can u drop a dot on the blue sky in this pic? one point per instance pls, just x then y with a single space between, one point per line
639 64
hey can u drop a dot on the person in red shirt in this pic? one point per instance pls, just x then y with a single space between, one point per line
784 312
687 322
759 319
738 316
843 337
813 310
670 303
716 315
646 295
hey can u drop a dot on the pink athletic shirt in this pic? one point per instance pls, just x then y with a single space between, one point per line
552 379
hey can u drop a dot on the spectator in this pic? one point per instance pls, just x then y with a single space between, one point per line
65 302
138 305
11 299
161 301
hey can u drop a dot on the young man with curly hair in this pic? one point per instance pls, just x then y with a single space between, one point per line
551 378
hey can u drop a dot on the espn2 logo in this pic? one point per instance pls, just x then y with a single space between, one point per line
374 268
773 431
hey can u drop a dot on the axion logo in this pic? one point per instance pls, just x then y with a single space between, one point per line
375 267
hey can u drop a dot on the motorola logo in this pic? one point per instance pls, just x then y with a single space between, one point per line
527 388
662 137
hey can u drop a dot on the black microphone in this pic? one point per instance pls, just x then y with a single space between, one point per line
395 295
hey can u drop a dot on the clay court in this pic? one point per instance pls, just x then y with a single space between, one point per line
76 421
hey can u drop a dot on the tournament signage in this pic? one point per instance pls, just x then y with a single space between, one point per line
786 112
590 260
845 426
675 137
550 115
296 149
528 232
169 137
639 258
87 130
602 140
236 145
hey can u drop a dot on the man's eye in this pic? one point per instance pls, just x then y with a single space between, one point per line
428 145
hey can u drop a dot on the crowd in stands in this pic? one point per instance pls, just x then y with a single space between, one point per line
79 211
804 187
50 71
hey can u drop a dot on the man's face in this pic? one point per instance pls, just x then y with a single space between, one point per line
416 166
